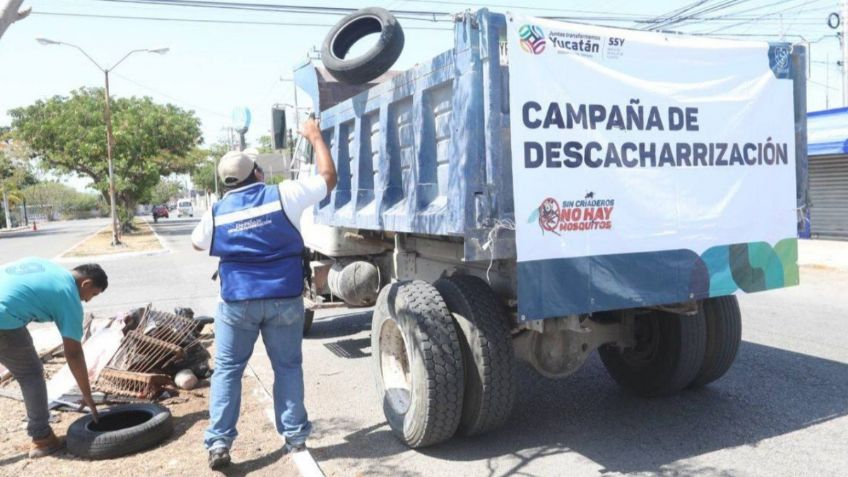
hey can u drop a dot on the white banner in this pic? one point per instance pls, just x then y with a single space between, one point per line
626 141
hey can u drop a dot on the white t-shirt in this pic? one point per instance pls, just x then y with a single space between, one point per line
296 196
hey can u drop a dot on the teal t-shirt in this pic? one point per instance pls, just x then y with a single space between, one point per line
34 289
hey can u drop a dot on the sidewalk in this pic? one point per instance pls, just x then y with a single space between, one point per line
823 253
15 229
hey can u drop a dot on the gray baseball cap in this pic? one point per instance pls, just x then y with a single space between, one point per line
235 167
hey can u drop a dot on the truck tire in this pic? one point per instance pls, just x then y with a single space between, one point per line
417 363
350 29
668 354
121 430
724 333
487 353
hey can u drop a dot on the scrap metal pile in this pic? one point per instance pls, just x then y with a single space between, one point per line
151 353
140 355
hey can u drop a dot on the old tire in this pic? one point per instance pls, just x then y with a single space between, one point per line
121 430
417 363
308 318
350 29
668 354
724 334
487 353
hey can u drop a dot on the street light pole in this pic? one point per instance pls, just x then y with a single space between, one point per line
107 114
109 144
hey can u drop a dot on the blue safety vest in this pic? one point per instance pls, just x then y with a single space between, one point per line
260 249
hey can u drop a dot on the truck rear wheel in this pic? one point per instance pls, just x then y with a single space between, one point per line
487 353
724 333
668 354
418 363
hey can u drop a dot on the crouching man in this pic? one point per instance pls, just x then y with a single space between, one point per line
37 290
255 231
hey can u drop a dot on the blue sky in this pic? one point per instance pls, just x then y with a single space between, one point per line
213 68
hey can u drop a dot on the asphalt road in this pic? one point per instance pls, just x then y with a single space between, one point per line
50 240
782 409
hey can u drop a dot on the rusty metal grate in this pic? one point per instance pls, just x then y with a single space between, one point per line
127 383
159 339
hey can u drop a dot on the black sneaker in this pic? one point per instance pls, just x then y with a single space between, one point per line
219 458
292 448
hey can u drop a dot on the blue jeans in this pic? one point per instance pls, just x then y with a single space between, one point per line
237 325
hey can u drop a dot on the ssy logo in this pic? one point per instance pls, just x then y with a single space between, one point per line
547 215
532 39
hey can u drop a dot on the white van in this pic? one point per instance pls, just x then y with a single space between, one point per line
184 208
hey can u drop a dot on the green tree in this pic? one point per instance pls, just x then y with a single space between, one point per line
205 171
58 200
266 146
151 140
14 175
165 190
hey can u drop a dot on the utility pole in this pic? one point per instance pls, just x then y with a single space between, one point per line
6 209
843 20
827 82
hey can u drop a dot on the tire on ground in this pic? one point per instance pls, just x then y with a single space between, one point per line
374 62
667 357
724 333
121 430
487 353
417 362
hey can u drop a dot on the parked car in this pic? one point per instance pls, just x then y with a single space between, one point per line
160 211
184 208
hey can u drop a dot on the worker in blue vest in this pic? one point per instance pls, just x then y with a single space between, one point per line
255 231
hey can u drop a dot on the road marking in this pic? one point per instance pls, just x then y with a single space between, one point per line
153 229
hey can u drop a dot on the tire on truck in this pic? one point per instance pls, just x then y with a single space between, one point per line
724 334
667 356
487 353
352 28
417 362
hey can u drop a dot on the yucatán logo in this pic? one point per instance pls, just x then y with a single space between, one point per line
532 39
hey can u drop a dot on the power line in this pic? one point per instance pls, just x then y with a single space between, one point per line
808 2
148 88
501 5
286 8
707 9
203 20
676 12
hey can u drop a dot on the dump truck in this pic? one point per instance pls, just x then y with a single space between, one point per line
545 190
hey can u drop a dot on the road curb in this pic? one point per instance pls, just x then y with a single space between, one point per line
306 465
158 237
111 256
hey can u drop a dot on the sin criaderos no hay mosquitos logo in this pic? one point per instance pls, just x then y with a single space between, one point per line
532 39
582 215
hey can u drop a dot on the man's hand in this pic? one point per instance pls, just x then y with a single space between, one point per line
76 362
310 130
92 406
323 160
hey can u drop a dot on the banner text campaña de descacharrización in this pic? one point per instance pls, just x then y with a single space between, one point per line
573 154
